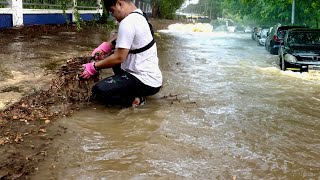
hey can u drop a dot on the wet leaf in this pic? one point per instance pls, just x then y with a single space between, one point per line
2 141
18 138
42 130
15 176
45 153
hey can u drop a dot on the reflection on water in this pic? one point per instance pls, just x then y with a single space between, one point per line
224 112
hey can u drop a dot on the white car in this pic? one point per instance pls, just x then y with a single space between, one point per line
262 36
231 28
247 29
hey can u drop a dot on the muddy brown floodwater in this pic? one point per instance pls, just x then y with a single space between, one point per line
225 112
30 58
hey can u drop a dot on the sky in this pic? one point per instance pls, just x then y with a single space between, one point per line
187 2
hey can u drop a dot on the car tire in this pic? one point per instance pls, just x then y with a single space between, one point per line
270 50
266 46
283 65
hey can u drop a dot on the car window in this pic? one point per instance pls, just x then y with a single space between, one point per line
304 38
281 33
264 33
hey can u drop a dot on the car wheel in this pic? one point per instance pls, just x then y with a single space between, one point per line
283 65
280 63
266 46
270 50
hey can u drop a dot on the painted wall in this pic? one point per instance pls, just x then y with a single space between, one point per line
32 19
5 20
89 17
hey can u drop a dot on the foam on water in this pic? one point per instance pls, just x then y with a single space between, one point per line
197 27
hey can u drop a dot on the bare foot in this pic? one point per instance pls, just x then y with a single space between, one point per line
138 101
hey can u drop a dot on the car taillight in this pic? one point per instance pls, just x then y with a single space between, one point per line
275 38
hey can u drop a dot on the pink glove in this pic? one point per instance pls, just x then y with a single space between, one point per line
89 70
104 48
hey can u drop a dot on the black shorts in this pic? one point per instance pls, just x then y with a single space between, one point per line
121 89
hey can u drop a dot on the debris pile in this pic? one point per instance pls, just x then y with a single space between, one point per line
66 93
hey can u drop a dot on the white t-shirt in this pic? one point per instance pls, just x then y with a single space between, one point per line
134 33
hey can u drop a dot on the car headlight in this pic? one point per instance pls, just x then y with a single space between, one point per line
290 58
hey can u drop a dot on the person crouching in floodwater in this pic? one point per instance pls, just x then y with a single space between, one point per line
134 61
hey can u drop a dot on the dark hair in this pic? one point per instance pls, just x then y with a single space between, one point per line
109 3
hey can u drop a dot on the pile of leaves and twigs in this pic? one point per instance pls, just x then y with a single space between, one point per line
66 93
23 126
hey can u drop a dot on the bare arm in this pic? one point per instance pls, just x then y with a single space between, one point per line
117 57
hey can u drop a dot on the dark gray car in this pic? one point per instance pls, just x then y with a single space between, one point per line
275 37
300 50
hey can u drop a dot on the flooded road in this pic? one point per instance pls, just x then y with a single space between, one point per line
225 112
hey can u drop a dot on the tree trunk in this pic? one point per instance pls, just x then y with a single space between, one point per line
155 8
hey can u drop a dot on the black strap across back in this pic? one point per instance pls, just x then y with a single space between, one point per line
148 46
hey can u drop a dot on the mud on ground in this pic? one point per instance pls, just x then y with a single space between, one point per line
31 62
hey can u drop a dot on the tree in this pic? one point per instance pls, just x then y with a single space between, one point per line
165 8
263 12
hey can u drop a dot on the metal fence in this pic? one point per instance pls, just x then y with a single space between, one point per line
59 4
144 5
27 12
43 4
87 4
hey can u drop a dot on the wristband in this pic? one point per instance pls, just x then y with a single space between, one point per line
94 65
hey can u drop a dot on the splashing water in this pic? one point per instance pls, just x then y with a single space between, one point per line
197 27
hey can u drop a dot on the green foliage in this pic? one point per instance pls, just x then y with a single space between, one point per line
78 19
104 18
64 5
91 3
169 7
261 12
165 8
68 4
103 22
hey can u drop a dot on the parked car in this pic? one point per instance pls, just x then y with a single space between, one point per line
262 36
300 50
247 29
239 29
254 33
275 37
